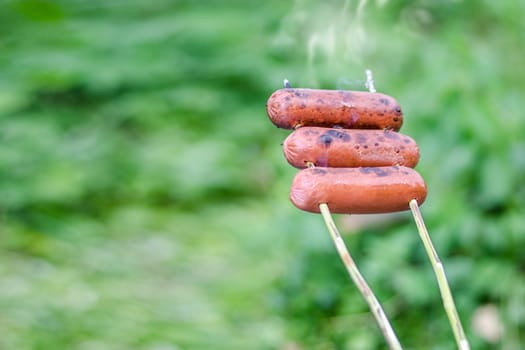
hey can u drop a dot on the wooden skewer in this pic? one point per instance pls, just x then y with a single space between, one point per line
370 81
356 276
359 281
437 265
366 291
439 271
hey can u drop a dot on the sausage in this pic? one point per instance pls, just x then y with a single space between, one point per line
341 148
365 190
289 108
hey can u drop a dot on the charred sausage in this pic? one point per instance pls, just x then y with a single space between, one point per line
342 148
289 108
363 190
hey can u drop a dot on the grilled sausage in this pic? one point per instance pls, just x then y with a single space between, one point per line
341 148
290 108
364 190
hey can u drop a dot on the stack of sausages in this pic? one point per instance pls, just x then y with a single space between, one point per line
349 149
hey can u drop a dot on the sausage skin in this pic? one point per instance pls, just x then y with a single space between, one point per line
289 108
342 148
366 190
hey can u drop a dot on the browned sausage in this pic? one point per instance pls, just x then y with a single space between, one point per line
342 148
289 108
357 190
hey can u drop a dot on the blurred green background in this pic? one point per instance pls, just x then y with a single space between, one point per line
144 195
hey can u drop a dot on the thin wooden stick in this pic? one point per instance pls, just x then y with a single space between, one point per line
359 281
351 267
439 271
370 81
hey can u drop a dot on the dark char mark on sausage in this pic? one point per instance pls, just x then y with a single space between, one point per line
376 170
384 101
319 171
391 134
339 135
325 140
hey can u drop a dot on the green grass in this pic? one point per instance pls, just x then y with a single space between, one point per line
143 191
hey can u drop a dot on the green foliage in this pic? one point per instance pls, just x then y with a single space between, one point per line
143 192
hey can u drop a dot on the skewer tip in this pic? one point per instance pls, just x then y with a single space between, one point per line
370 81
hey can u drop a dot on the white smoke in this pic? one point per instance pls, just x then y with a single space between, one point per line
333 33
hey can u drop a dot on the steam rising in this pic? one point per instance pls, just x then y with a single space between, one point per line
331 32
